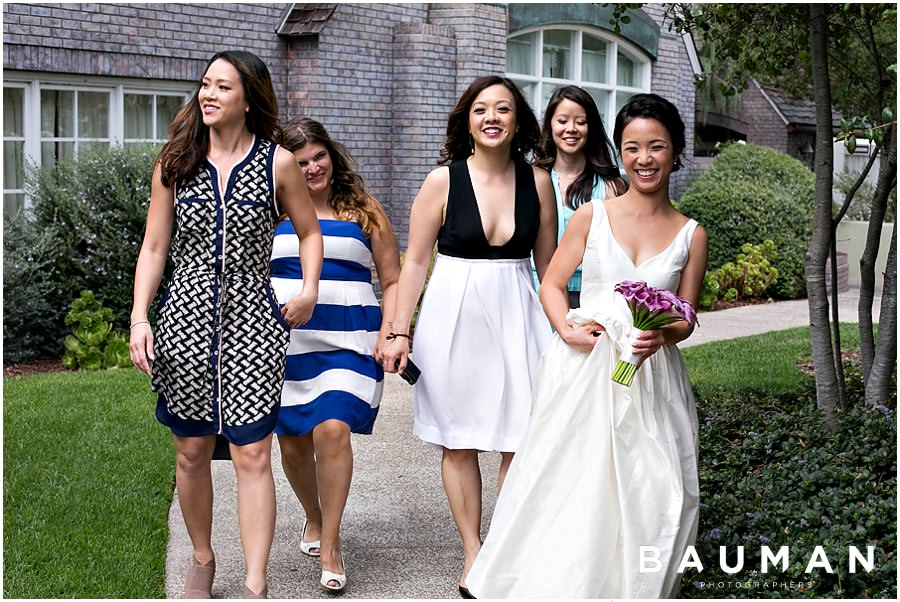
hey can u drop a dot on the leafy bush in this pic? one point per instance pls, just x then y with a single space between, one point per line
92 344
749 194
90 214
27 290
861 207
751 275
772 474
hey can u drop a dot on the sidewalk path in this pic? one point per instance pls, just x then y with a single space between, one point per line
398 538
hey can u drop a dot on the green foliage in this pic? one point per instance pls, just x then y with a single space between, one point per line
92 344
92 211
752 273
770 42
749 194
27 290
87 487
861 206
772 474
709 293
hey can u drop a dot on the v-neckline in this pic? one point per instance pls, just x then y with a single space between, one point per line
625 253
224 191
515 206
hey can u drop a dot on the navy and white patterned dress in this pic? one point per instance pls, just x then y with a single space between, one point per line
330 372
220 338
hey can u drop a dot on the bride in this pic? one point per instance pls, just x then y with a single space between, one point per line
607 474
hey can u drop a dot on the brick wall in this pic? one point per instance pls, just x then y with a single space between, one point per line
155 41
381 77
673 79
763 124
345 78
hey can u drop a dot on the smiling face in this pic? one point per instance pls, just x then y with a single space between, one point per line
647 154
221 95
569 127
492 117
315 162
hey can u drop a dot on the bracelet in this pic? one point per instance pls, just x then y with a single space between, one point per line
393 335
139 322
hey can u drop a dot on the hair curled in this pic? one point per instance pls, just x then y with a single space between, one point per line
458 145
653 106
188 143
599 153
349 198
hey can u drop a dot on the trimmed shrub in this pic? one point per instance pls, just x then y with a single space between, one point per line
86 224
750 194
28 257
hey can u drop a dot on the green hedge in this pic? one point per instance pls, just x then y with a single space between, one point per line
750 194
83 232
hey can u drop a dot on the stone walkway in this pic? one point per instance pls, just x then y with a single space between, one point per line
398 537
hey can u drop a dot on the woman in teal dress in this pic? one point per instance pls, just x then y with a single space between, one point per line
576 151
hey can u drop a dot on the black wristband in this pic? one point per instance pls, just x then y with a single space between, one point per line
393 335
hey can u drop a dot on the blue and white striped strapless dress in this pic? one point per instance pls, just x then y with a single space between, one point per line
330 372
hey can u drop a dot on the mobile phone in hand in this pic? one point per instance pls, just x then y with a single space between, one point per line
411 373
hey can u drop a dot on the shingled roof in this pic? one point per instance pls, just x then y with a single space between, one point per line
304 19
798 112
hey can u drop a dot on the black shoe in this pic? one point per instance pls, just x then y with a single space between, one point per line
465 593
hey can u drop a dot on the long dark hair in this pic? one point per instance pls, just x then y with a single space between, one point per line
349 198
188 142
598 151
653 106
458 146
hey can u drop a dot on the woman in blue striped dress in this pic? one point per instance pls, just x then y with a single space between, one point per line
333 377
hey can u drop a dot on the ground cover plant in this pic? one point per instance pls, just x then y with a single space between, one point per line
87 486
772 474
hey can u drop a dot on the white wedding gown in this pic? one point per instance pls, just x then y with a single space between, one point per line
604 469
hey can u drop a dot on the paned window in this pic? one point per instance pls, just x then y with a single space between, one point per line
611 70
49 118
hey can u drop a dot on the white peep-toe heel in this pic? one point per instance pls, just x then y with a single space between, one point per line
310 548
339 578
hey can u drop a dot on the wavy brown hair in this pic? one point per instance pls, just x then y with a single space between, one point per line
349 198
598 150
458 146
188 143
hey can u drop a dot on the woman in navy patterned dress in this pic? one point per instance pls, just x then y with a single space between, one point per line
333 378
218 356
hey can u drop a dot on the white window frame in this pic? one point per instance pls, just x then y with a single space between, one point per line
33 82
26 99
615 46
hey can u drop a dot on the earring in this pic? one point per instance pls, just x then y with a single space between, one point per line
471 143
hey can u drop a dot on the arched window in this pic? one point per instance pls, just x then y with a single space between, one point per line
540 60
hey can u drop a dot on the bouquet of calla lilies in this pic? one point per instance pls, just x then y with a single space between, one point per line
651 308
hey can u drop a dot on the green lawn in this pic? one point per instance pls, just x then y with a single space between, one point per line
88 472
765 363
87 485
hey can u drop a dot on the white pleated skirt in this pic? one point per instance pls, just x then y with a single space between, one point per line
478 339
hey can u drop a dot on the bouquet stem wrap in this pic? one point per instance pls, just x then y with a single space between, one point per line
628 362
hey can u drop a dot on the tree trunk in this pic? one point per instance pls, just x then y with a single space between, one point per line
878 387
836 322
826 378
887 178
